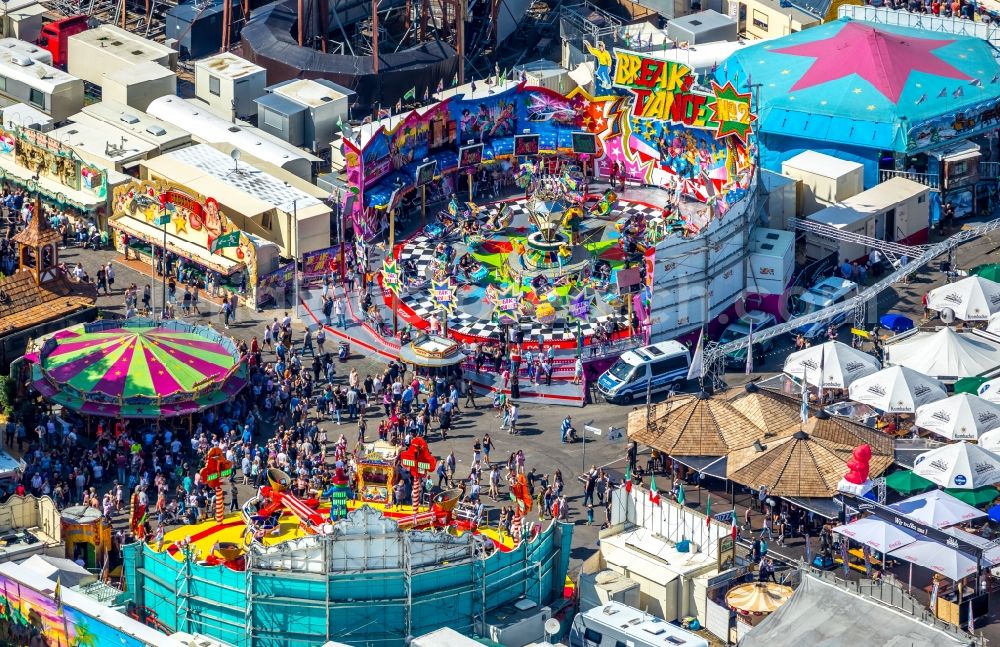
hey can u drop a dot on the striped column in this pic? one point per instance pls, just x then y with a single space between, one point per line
220 504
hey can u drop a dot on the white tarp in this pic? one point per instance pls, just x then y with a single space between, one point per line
897 389
937 509
946 353
959 465
876 533
962 416
971 299
835 362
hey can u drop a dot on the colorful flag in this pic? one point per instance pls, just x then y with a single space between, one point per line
654 494
680 493
749 366
503 78
844 555
804 410
628 478
232 239
734 529
410 94
708 511
473 86
454 81
697 368
972 619
524 76
399 106
822 369
934 595
427 94
58 594
440 86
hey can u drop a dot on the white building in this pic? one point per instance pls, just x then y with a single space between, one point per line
32 51
139 85
206 127
104 145
106 49
163 136
52 91
229 84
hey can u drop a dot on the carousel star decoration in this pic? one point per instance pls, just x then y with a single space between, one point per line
180 223
731 110
390 275
882 58
444 293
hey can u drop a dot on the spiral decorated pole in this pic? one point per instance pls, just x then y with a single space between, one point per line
220 503
516 526
415 492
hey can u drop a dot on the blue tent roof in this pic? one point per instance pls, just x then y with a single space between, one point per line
864 84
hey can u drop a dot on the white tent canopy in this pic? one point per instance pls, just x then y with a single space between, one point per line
876 533
939 558
962 416
945 353
959 465
971 299
897 389
937 509
835 362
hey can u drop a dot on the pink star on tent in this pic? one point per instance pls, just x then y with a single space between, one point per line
882 58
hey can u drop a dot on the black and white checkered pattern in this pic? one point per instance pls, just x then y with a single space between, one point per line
420 250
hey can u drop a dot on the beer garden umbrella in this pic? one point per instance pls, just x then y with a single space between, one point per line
897 389
959 417
959 465
832 365
937 509
906 482
974 298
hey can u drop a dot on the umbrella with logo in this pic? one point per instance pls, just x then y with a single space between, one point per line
906 482
971 299
990 271
876 533
833 365
959 417
937 509
990 390
991 441
939 558
968 385
897 389
960 465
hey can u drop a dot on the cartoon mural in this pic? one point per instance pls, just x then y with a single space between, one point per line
29 618
651 118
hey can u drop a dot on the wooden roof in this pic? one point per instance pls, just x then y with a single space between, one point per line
694 425
811 460
24 304
772 412
38 232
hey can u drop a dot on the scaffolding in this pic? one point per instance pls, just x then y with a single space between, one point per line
585 23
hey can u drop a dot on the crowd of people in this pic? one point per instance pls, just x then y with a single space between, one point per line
966 9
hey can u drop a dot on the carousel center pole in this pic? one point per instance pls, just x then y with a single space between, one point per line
220 502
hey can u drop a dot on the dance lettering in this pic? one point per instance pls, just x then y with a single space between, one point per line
663 90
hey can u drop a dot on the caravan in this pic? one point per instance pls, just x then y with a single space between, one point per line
656 367
617 624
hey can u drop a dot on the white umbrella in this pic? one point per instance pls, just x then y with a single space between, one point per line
959 465
990 390
994 323
897 389
962 416
876 533
939 558
971 299
990 441
840 365
937 509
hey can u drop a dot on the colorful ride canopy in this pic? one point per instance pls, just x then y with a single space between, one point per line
872 86
138 368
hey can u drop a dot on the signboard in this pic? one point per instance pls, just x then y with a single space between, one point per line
664 91
525 145
426 172
727 553
469 156
216 468
953 126
584 143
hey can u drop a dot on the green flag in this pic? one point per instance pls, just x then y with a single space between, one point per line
232 239
410 94
503 78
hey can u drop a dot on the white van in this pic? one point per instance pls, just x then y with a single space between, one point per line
617 625
658 366
828 292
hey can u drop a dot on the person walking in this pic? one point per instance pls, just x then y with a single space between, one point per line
307 342
470 395
340 311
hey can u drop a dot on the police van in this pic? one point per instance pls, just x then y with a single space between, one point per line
658 367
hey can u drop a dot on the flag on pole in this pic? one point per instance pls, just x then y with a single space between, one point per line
734 529
399 105
804 411
845 556
808 550
503 78
473 86
440 87
654 494
749 365
822 368
58 594
628 478
427 94
410 94
708 511
454 81
524 76
680 493
232 239
697 368
972 619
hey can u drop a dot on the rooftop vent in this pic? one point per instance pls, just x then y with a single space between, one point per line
129 118
157 131
21 59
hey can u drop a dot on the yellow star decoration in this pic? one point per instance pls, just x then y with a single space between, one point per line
180 224
856 90
871 107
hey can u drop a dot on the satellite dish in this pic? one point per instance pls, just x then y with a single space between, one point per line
235 154
552 627
947 315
